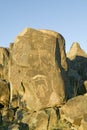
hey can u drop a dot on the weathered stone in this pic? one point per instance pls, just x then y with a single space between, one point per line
53 118
4 93
60 48
23 126
37 120
36 68
77 62
75 109
76 50
74 79
61 58
83 125
4 61
78 65
13 127
46 119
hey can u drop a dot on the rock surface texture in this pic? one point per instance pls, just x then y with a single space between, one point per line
42 87
36 62
77 64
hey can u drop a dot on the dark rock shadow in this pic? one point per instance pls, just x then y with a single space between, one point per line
23 126
77 74
64 73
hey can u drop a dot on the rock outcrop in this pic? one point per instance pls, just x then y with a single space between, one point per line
4 63
76 50
35 70
4 93
42 87
75 109
77 62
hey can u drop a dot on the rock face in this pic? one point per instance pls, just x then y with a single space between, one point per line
77 62
74 108
75 111
36 65
4 63
76 50
4 93
42 88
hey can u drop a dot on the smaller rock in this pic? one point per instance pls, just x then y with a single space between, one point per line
4 93
75 109
53 117
76 50
36 120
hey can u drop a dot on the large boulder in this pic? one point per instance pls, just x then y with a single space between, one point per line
37 65
75 110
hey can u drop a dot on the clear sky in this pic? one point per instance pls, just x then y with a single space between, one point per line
68 17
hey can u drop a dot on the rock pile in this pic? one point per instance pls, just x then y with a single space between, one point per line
42 87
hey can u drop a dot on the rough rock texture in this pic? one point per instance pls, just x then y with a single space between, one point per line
75 107
76 50
4 63
77 63
4 93
83 125
36 64
42 88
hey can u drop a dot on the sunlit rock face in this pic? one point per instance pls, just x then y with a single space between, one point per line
4 63
75 109
34 83
36 64
76 50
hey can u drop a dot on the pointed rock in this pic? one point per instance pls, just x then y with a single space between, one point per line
76 50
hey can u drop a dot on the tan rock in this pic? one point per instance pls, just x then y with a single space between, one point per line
61 48
46 119
75 109
4 61
53 118
76 50
37 120
37 60
13 127
83 125
4 93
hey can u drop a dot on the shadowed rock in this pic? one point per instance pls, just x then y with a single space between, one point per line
77 62
4 93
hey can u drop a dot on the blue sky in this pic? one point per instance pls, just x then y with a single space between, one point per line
68 17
